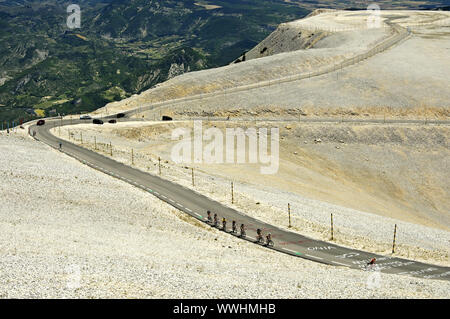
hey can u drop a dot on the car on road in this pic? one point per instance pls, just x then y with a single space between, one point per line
85 117
40 122
120 115
112 121
166 118
97 121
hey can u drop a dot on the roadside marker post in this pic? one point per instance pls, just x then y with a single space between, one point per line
95 142
232 193
332 234
192 170
81 135
132 157
393 243
159 165
289 213
110 148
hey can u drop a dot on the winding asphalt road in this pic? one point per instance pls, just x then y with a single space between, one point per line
196 205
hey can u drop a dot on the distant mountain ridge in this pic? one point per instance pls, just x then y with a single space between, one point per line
123 47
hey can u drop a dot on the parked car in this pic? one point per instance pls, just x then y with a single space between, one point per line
97 121
40 122
112 121
166 118
85 117
120 115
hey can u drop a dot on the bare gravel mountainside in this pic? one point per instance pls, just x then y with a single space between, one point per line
407 76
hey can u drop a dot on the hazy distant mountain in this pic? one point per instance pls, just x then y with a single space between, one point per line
121 48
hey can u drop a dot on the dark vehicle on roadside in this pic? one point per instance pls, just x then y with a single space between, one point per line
40 122
166 118
97 121
120 115
112 121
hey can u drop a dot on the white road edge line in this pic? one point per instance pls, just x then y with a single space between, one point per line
314 257
335 262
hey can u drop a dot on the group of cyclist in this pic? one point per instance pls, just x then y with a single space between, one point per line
214 220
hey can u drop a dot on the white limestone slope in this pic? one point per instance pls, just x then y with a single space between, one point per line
68 231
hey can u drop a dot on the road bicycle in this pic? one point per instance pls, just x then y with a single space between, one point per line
234 229
269 243
260 239
243 234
